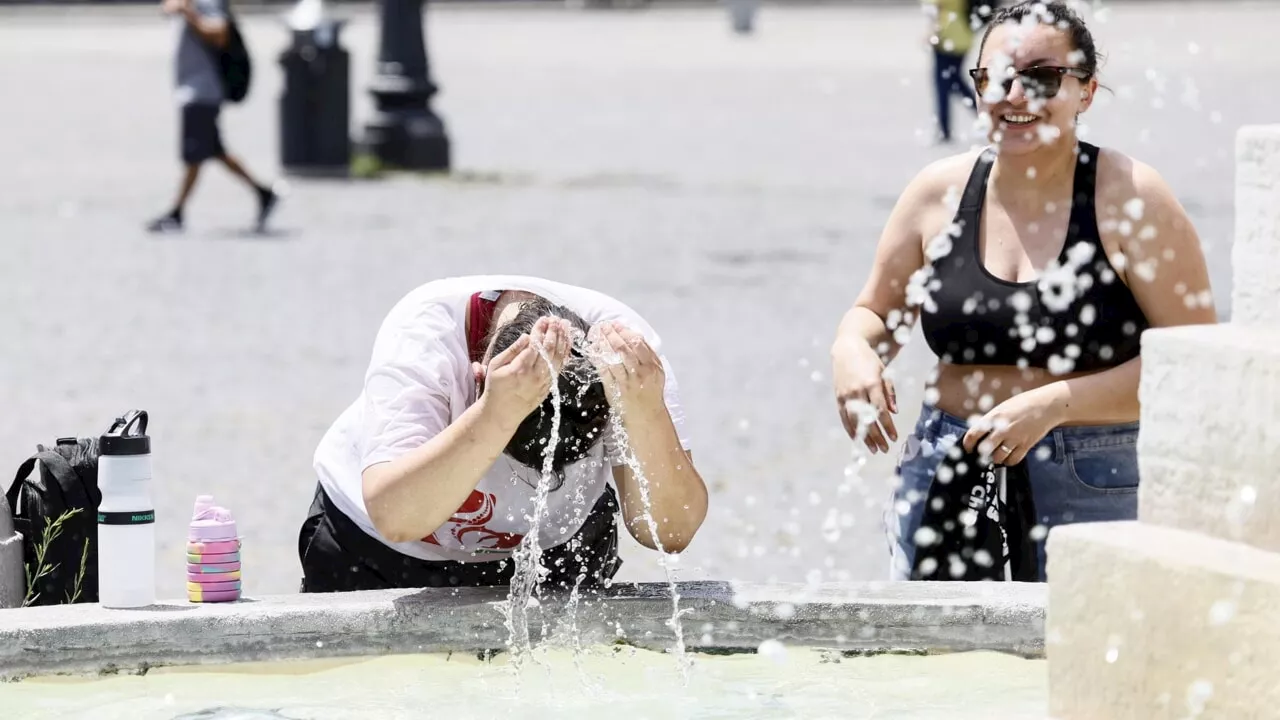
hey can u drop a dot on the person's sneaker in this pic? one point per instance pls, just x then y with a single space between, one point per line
169 223
267 200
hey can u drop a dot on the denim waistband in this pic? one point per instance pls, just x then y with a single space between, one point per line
934 423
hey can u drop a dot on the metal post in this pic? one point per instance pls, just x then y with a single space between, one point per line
404 132
12 577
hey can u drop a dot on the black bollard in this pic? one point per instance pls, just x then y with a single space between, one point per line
404 132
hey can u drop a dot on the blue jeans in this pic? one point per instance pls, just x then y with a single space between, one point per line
1078 474
948 80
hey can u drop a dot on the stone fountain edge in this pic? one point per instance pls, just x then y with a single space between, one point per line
717 617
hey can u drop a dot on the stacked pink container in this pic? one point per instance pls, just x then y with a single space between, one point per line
213 554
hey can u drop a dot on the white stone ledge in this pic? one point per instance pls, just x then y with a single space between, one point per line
854 617
1255 256
1209 444
1151 622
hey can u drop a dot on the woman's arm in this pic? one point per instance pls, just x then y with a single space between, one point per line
873 331
1164 266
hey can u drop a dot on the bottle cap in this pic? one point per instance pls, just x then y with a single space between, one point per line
126 436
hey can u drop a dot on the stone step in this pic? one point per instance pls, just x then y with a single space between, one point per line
1152 622
1255 256
1210 435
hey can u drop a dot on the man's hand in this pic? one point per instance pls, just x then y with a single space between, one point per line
518 379
632 373
173 7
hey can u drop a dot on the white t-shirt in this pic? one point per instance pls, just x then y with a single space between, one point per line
419 381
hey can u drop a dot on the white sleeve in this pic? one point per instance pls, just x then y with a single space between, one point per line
408 385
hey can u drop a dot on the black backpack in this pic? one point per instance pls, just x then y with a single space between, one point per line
68 480
977 524
234 63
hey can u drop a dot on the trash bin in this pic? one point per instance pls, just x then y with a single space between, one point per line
315 107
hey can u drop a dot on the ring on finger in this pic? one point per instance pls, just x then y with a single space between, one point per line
1006 449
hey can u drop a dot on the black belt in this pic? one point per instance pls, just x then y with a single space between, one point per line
338 556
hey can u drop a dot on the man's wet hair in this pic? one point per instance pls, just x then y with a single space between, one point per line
584 408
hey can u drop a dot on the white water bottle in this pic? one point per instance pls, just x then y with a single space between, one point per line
126 517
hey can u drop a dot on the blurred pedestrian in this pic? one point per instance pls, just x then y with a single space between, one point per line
204 34
951 36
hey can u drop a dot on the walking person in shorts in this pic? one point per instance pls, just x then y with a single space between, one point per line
200 94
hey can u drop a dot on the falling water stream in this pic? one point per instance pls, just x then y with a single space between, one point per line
525 589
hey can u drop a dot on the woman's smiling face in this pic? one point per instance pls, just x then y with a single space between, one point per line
1034 90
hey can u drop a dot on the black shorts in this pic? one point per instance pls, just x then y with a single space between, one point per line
337 556
200 137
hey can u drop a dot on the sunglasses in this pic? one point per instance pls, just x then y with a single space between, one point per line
1042 81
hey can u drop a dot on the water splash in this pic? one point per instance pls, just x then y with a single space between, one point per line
683 661
529 570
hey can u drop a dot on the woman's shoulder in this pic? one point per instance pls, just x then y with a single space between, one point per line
1119 171
943 179
1129 186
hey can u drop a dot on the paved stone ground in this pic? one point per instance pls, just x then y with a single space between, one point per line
730 189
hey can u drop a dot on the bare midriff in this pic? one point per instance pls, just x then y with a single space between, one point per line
968 390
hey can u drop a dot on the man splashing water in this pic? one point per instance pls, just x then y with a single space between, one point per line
431 477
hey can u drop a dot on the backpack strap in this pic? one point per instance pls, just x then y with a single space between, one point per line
65 477
24 471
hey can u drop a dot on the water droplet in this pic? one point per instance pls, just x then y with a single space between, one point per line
1039 532
773 650
925 536
1221 612
1134 208
1021 301
1113 654
1198 694
928 566
1249 494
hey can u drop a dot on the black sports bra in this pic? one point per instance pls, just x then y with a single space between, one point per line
1078 316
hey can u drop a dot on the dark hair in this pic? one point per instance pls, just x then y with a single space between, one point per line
584 409
1050 12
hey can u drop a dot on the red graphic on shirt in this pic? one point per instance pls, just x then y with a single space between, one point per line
470 519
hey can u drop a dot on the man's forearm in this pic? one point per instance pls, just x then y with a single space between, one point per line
412 496
213 32
677 494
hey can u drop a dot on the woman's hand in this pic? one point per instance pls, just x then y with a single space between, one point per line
1008 432
859 380
631 371
518 379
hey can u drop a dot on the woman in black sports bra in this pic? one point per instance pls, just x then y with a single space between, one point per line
1033 267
